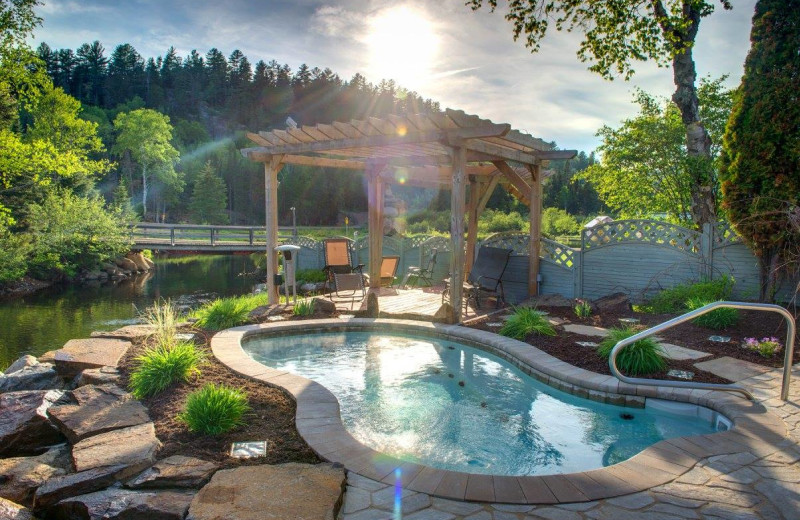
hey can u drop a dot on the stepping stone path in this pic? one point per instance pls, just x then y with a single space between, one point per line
79 354
586 330
134 447
176 471
271 492
679 353
681 374
24 426
731 368
100 409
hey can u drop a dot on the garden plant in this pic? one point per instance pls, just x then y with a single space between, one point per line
642 357
214 409
525 321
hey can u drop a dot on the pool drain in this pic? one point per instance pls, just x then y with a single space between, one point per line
626 416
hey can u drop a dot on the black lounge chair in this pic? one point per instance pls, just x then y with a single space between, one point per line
485 277
342 276
424 274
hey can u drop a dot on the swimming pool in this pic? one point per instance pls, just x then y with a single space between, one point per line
451 406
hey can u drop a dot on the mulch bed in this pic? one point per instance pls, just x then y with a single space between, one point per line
271 417
751 324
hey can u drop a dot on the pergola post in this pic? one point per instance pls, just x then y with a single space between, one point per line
458 197
473 211
375 188
271 169
536 229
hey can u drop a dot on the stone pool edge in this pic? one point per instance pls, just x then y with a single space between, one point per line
319 423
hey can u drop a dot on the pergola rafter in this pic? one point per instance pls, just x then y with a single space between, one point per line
447 150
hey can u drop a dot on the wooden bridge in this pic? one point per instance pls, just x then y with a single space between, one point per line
201 238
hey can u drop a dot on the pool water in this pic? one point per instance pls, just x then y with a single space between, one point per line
454 407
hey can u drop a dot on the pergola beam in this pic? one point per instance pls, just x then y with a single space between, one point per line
512 176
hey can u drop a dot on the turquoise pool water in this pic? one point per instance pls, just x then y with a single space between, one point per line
454 407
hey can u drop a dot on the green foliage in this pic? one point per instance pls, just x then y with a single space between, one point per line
228 312
642 357
717 319
767 347
492 221
159 367
304 307
209 199
557 222
428 221
761 158
310 275
73 233
14 251
163 317
525 321
214 409
676 298
646 168
583 309
567 190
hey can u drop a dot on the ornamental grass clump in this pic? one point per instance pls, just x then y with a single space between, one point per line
163 317
214 409
223 313
717 319
159 367
583 309
767 347
642 357
676 298
525 321
304 308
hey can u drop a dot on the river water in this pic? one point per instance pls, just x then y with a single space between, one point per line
49 318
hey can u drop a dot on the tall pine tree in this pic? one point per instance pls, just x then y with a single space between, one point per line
760 171
209 198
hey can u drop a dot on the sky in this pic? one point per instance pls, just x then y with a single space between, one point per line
443 50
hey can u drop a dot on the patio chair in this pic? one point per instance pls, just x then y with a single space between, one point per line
342 276
485 277
424 274
389 270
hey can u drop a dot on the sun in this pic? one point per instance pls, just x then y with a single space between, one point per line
403 46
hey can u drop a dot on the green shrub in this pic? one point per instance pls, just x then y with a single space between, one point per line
676 298
159 367
428 221
642 357
492 221
213 409
717 319
310 276
525 321
14 251
73 233
224 313
557 222
304 307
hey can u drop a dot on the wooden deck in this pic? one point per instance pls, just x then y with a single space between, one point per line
409 303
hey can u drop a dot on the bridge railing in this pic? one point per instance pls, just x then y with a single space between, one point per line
198 235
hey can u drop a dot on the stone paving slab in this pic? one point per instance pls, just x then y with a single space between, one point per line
679 353
586 330
79 354
731 368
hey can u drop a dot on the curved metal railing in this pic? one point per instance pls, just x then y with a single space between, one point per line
787 360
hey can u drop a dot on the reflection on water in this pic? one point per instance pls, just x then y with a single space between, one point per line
47 319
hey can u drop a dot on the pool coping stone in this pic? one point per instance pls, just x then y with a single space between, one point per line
318 420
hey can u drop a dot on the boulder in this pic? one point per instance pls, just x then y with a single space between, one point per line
24 426
445 314
20 476
129 332
41 376
617 303
75 484
548 300
324 306
293 490
174 472
48 357
138 259
134 447
25 361
99 376
79 354
12 511
263 311
126 264
100 409
149 262
372 305
108 268
124 504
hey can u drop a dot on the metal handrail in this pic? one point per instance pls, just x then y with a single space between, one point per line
787 360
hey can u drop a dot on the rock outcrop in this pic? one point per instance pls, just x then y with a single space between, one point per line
79 354
75 484
124 504
134 447
99 376
271 492
25 361
100 409
20 476
13 511
174 472
129 332
40 376
24 426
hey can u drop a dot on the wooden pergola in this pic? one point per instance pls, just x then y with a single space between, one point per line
448 150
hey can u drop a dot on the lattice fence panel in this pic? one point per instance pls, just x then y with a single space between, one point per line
644 232
724 235
517 242
558 253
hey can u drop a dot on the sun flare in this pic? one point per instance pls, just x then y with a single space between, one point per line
403 46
